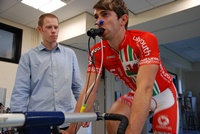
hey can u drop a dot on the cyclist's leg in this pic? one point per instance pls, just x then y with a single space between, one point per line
166 115
121 106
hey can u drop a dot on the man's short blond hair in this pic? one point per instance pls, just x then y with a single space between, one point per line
41 18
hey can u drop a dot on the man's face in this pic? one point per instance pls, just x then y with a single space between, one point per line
49 30
111 22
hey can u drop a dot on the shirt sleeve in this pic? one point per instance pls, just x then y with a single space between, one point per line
94 60
21 90
148 46
76 80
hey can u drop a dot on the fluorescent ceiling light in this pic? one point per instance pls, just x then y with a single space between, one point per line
35 3
46 6
52 6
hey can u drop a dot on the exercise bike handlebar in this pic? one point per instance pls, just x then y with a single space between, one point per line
123 121
35 119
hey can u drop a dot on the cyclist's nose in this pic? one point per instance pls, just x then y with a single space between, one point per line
99 22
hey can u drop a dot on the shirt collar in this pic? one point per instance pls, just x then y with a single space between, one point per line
124 41
42 47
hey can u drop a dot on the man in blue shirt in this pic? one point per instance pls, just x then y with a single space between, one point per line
48 76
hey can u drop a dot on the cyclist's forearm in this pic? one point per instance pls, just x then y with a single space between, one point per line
74 127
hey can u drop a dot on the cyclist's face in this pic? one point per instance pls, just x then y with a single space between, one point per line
111 22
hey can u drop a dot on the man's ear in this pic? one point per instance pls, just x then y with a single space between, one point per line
39 28
124 19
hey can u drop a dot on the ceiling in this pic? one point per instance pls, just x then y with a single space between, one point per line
178 33
16 11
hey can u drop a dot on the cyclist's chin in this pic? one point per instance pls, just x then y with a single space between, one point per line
104 38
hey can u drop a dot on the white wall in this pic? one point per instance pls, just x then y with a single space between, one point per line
8 70
82 60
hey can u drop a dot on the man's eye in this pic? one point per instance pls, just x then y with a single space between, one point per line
105 14
95 18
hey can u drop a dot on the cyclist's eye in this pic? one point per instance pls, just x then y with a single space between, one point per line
95 17
105 14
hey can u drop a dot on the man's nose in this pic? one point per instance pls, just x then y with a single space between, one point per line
53 29
99 22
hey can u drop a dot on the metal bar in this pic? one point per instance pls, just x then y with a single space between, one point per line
12 120
18 119
80 117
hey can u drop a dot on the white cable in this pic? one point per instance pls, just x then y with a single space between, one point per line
90 88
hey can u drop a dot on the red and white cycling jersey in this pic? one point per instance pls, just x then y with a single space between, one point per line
138 48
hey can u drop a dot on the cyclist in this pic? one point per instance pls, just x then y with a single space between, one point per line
134 57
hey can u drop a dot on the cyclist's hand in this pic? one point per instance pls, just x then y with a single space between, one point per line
86 124
64 132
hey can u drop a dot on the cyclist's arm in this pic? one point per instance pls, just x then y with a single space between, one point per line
142 98
90 98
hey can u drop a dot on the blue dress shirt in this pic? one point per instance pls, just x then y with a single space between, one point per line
47 81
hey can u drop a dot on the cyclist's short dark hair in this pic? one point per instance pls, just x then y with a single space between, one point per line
118 6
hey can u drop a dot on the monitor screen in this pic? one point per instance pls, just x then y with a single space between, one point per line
10 43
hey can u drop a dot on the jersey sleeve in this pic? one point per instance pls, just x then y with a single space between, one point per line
94 60
149 51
